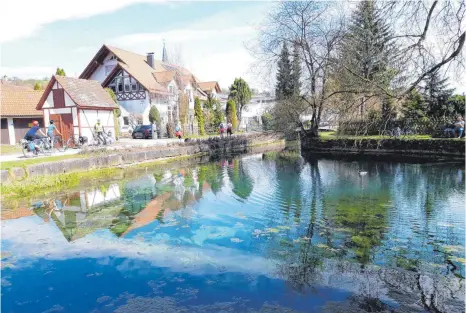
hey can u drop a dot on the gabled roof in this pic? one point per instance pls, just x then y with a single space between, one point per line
209 86
19 101
85 93
154 79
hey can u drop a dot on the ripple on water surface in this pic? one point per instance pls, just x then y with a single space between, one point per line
255 234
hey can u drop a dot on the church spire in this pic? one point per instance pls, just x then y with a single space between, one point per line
164 53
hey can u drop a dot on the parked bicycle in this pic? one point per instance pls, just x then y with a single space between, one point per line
35 147
75 142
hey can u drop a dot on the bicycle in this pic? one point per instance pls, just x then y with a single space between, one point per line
77 142
31 148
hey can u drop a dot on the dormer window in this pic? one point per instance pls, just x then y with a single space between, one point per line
113 57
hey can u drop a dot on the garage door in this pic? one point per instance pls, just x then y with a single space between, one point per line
5 137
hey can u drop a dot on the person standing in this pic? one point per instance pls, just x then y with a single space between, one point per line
222 129
99 131
229 129
51 131
459 126
178 131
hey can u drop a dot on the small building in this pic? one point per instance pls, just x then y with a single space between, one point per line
18 110
75 105
211 88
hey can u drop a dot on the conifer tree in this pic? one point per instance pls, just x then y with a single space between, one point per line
199 115
231 113
296 71
367 50
284 86
436 94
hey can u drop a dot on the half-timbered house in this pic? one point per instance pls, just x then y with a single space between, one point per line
142 81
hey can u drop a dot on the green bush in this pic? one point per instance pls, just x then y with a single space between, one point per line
199 116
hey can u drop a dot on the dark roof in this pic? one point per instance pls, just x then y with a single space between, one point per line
85 93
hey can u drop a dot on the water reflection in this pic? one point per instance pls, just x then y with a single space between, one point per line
264 233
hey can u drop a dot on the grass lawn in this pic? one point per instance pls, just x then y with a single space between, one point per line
7 149
23 162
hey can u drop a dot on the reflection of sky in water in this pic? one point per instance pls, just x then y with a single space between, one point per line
250 234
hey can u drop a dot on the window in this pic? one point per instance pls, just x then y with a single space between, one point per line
134 85
119 84
108 69
125 120
113 57
127 84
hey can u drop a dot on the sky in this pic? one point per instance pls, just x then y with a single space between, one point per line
210 37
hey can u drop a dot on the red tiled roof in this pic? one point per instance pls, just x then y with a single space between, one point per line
209 86
19 101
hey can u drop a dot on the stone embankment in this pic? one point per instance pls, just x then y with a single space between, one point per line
212 147
423 148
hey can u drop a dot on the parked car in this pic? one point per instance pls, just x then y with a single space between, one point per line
142 132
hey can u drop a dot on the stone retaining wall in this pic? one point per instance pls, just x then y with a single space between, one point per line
423 148
211 146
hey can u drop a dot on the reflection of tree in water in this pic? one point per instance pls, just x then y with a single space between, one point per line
242 183
289 189
212 174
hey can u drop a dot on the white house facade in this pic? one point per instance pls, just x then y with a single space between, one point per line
140 82
75 105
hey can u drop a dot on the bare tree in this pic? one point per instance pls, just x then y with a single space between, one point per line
315 29
428 35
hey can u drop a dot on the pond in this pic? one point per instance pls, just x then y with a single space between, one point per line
255 233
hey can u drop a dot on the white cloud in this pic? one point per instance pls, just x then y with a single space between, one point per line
35 14
38 72
181 35
31 238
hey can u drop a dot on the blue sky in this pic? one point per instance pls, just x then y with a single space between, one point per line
209 36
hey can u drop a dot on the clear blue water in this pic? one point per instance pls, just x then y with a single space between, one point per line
249 234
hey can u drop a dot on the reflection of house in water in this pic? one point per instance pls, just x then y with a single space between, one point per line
81 213
122 208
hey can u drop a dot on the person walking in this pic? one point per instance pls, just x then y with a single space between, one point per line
51 129
99 131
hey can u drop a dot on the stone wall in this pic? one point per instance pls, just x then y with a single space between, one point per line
429 148
211 147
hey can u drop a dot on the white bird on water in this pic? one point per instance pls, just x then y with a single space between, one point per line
361 173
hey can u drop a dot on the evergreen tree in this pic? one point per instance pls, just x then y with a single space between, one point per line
154 116
231 113
436 94
218 115
415 107
60 72
296 71
367 50
37 86
199 115
241 94
284 86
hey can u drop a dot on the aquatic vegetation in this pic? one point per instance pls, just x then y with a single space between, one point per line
156 238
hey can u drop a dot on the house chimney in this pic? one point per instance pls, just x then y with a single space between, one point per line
150 59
